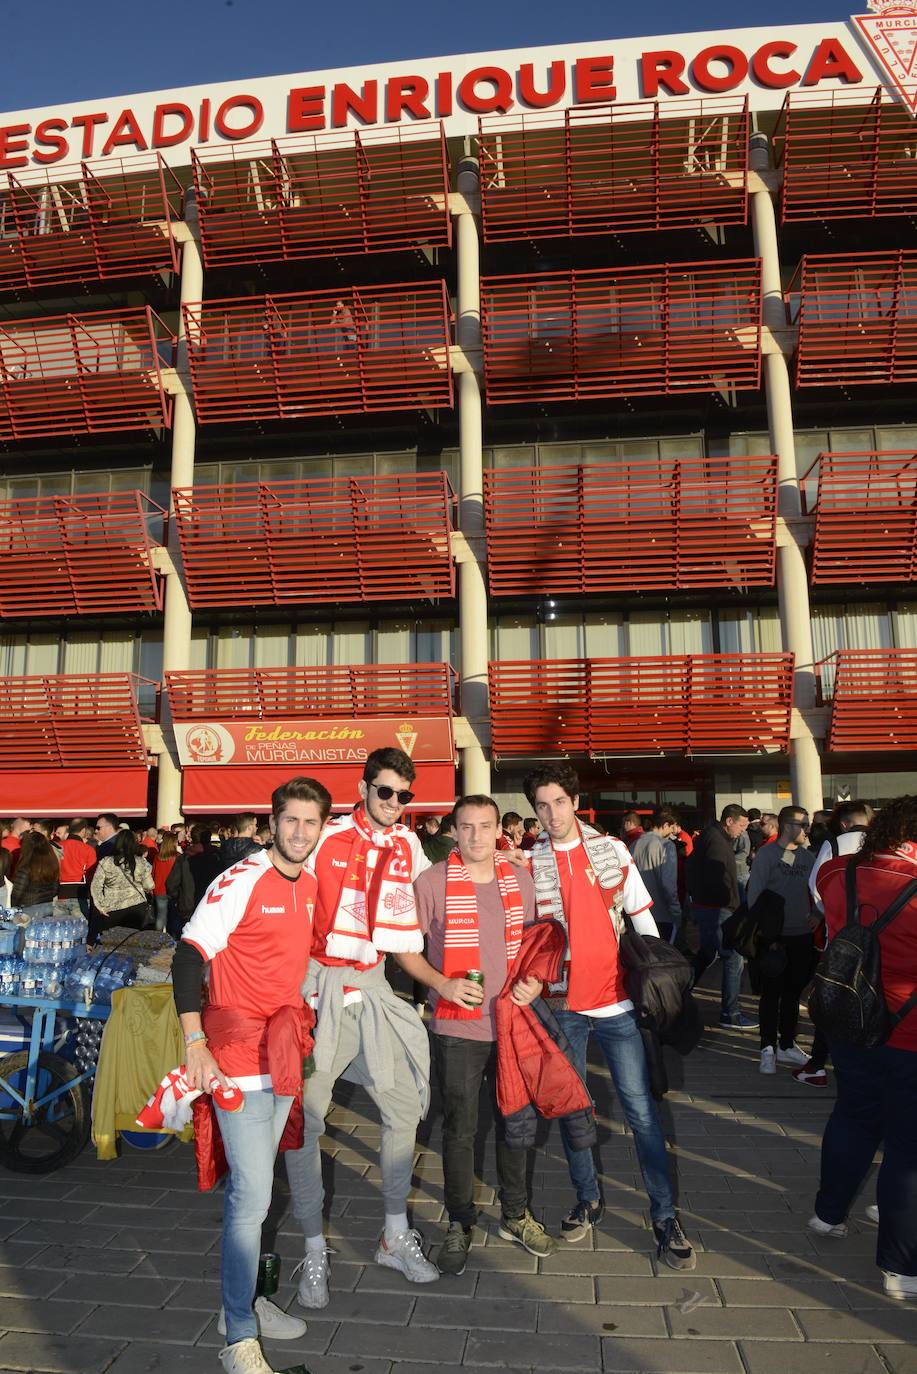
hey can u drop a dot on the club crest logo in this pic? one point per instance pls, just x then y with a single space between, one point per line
208 743
890 32
406 736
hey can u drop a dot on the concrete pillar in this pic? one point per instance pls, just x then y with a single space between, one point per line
792 578
176 633
472 587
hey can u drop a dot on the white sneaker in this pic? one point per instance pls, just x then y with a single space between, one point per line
794 1055
403 1252
872 1213
313 1286
768 1060
900 1285
824 1228
273 1322
245 1357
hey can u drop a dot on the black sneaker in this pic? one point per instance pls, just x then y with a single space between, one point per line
672 1245
581 1220
454 1250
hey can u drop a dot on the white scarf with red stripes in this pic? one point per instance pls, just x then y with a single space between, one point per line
462 939
374 911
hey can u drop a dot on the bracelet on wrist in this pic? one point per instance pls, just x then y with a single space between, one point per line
195 1038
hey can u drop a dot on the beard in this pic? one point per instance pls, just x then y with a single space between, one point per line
379 822
285 854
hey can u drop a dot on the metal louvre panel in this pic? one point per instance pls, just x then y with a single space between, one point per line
865 518
94 221
857 319
70 721
662 330
317 195
874 706
79 555
288 356
318 541
84 374
417 689
644 523
614 168
691 704
846 153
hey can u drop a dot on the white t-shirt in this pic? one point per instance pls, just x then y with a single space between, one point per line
848 842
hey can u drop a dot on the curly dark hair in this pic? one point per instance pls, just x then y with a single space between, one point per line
561 773
893 825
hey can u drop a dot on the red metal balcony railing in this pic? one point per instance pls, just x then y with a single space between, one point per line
865 517
95 221
355 350
308 196
663 330
373 539
698 704
643 523
874 702
846 153
609 169
79 555
413 689
84 374
70 721
857 319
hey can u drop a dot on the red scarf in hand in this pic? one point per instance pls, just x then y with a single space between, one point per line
462 943
375 911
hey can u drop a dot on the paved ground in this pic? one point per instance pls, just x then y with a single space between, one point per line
113 1267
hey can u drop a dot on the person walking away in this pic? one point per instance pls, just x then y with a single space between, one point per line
657 863
163 865
786 965
511 831
589 883
742 849
78 861
713 887
203 860
179 887
254 931
876 1107
631 829
122 884
530 832
242 843
472 909
37 875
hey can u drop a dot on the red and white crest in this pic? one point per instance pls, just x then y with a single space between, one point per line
891 34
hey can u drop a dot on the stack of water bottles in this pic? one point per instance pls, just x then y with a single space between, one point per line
51 947
94 977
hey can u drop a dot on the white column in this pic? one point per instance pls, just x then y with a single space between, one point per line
176 634
472 587
792 578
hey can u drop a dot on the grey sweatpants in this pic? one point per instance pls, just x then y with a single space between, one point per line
399 1109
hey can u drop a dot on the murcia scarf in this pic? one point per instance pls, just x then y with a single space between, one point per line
605 864
462 940
374 911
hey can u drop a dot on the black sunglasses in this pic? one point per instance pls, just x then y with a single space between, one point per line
386 793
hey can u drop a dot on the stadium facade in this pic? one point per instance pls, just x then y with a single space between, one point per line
506 406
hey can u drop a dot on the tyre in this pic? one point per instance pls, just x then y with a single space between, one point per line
58 1131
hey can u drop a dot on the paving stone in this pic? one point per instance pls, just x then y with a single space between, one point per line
203 1268
812 1357
900 1359
479 1312
46 1209
898 1323
117 1290
548 1287
86 1235
752 1293
635 1356
377 1278
142 1357
48 1315
722 1323
82 1261
401 1343
537 1350
578 1318
126 1323
389 1309
660 1290
37 1354
315 1341
16 1282
715 1264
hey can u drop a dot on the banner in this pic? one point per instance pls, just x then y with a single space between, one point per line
305 743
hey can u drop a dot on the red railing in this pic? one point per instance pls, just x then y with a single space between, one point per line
641 523
79 374
414 689
316 195
371 539
865 517
355 350
857 319
846 153
874 700
698 704
609 169
71 721
664 330
79 555
95 221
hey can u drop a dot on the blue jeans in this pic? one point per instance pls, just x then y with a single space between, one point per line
622 1045
710 923
876 1105
250 1138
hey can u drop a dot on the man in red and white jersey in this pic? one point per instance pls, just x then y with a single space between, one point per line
588 882
253 927
365 864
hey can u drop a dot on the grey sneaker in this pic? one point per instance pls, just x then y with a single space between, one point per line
404 1252
244 1357
528 1233
453 1252
313 1286
672 1245
581 1220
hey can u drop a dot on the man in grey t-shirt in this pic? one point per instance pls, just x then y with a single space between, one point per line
657 861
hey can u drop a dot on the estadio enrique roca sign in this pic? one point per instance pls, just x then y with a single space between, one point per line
302 743
759 62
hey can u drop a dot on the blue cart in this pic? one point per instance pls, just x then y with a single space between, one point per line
45 1101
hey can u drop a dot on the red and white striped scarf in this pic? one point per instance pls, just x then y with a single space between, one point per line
462 941
374 910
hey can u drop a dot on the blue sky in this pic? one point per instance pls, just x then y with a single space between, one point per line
67 50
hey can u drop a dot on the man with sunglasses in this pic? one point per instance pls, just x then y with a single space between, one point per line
365 863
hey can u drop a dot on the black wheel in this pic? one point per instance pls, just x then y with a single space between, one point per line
57 1132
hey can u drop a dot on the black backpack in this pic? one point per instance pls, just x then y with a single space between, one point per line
847 1002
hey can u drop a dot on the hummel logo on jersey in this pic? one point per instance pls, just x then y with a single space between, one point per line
338 863
273 911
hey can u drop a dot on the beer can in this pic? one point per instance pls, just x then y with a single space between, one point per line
268 1275
474 975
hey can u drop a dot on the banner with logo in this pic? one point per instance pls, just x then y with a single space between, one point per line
308 743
